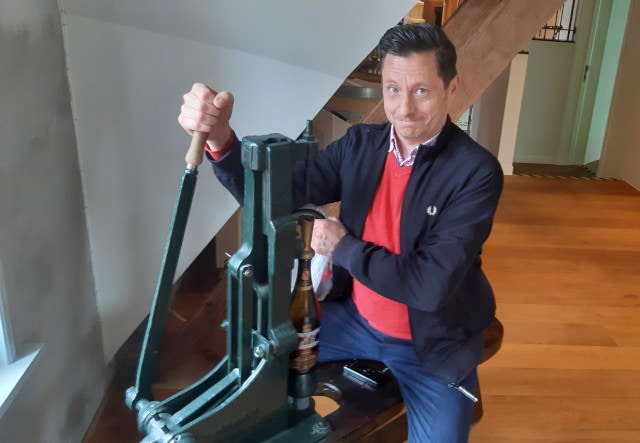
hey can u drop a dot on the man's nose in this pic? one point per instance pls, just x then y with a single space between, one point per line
406 104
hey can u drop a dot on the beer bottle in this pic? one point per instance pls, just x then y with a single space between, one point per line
305 310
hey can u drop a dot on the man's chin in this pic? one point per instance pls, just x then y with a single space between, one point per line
409 134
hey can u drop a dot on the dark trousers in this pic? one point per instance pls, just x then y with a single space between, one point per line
436 413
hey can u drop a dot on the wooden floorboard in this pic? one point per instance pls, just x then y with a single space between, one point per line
564 260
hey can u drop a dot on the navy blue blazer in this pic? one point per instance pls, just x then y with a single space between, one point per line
447 215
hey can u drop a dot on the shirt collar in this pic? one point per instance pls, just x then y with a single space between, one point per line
393 147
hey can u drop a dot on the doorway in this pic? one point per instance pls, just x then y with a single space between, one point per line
568 91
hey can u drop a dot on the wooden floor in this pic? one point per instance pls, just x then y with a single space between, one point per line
564 260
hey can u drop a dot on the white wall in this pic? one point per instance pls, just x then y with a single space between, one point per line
513 104
131 61
44 247
621 153
619 11
544 100
487 114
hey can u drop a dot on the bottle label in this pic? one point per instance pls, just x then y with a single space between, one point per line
308 339
306 356
304 281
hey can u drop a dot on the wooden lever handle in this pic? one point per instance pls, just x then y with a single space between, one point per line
195 154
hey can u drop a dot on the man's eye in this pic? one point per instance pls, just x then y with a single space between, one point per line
421 91
393 89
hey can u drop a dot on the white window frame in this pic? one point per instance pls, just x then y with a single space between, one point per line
13 367
7 346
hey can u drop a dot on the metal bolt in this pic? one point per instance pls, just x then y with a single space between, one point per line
248 272
320 427
259 351
186 438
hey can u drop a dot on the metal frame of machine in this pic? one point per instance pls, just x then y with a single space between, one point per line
246 396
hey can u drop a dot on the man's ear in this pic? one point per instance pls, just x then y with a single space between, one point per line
453 84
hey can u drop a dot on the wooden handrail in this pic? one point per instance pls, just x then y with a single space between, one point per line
448 9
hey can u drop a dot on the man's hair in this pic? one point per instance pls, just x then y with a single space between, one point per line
405 39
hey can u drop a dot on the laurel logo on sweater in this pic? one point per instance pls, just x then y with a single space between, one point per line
432 210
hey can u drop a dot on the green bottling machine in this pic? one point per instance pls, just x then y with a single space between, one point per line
245 398
250 395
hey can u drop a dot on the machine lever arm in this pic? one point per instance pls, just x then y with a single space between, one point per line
162 298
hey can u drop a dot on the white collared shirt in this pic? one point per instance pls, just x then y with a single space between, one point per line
393 147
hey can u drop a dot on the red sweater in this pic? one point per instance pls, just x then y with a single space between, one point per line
382 227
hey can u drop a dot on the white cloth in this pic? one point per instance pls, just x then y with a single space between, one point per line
321 275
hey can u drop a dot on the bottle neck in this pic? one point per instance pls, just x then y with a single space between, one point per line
304 273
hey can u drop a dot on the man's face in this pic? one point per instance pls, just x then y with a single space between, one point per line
415 98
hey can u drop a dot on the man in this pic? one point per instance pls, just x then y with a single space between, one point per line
418 198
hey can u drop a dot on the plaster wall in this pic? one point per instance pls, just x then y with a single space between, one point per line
608 70
511 115
544 101
487 114
44 247
621 153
